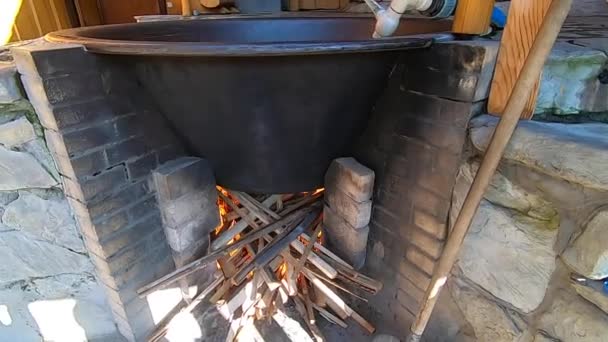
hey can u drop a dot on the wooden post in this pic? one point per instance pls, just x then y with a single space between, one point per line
524 21
473 16
186 9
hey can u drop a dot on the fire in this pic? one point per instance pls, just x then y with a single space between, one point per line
319 190
224 209
282 270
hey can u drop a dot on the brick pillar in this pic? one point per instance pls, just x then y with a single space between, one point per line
187 199
414 143
105 140
348 206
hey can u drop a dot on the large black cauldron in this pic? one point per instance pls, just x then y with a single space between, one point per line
269 101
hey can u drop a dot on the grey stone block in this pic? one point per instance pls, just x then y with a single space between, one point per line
348 242
200 206
16 132
352 177
357 214
180 176
187 200
10 90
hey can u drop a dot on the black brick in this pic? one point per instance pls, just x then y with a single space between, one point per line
122 239
88 112
141 250
104 182
143 208
89 164
127 150
438 135
446 161
92 137
75 87
415 275
142 167
440 182
418 154
170 152
429 202
398 167
453 71
409 303
119 200
110 225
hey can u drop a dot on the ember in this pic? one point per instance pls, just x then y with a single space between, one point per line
268 250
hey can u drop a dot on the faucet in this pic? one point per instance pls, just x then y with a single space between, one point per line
387 20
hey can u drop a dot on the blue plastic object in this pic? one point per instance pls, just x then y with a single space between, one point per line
499 19
606 286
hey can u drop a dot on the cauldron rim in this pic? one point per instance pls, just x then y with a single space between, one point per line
424 32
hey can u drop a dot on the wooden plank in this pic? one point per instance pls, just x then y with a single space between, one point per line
25 23
523 23
473 16
88 12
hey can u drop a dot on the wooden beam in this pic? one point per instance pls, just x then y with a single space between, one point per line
473 16
523 22
186 8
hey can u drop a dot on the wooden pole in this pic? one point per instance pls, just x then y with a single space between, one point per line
473 16
523 23
504 130
186 9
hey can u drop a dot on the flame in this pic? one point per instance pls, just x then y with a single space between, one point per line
224 209
282 270
319 190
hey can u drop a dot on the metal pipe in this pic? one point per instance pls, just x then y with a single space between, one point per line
530 72
387 20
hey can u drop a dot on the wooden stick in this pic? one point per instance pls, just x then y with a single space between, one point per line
306 252
308 200
314 259
275 247
199 263
239 226
290 280
329 316
332 296
301 308
359 278
338 286
327 252
221 291
307 302
547 35
259 205
252 208
239 211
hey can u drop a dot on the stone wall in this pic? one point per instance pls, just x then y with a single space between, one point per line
46 271
532 264
542 220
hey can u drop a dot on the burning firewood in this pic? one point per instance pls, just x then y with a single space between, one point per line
269 252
